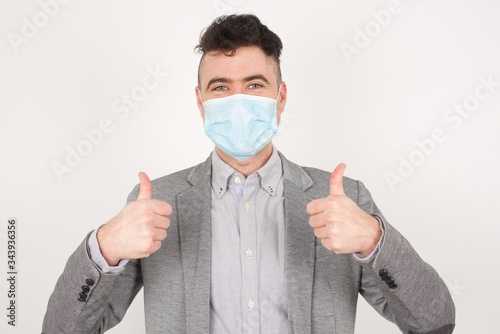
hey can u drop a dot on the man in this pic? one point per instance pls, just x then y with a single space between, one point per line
256 244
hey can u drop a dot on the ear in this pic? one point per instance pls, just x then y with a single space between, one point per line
281 102
199 101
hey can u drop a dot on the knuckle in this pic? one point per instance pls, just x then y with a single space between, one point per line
145 206
148 220
327 244
332 232
331 217
332 204
148 248
156 246
332 245
148 232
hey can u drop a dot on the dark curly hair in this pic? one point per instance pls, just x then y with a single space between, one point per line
228 33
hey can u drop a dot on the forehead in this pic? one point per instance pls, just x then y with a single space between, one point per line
245 62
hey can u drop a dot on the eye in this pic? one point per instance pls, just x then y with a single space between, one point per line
255 86
219 88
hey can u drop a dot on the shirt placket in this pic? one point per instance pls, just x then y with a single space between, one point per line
248 247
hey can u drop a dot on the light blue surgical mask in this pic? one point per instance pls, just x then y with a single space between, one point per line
241 125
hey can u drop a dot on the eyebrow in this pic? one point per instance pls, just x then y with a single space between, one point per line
227 80
255 77
214 80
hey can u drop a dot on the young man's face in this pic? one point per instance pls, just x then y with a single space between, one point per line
248 71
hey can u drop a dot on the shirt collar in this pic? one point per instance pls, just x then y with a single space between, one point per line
269 174
221 172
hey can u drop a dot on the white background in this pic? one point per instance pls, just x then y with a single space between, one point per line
366 111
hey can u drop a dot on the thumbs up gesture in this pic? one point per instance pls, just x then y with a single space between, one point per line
138 230
342 226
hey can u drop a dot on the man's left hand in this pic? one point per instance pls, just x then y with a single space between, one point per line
342 226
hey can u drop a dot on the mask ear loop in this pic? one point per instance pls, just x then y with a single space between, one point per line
279 92
201 98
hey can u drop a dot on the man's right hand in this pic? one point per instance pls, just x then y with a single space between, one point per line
138 230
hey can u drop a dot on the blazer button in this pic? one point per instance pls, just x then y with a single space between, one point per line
89 281
82 295
393 286
82 299
389 280
383 273
85 288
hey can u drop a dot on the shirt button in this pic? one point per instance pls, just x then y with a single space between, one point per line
250 304
247 206
248 252
237 179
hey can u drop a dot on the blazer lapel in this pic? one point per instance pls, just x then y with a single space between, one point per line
194 212
300 248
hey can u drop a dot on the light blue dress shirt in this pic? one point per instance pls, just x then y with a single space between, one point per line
248 250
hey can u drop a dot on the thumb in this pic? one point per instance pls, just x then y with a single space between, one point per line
336 185
146 188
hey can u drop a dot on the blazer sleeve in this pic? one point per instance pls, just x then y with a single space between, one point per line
85 300
401 286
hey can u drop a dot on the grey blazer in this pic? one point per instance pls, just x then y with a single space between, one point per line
322 287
